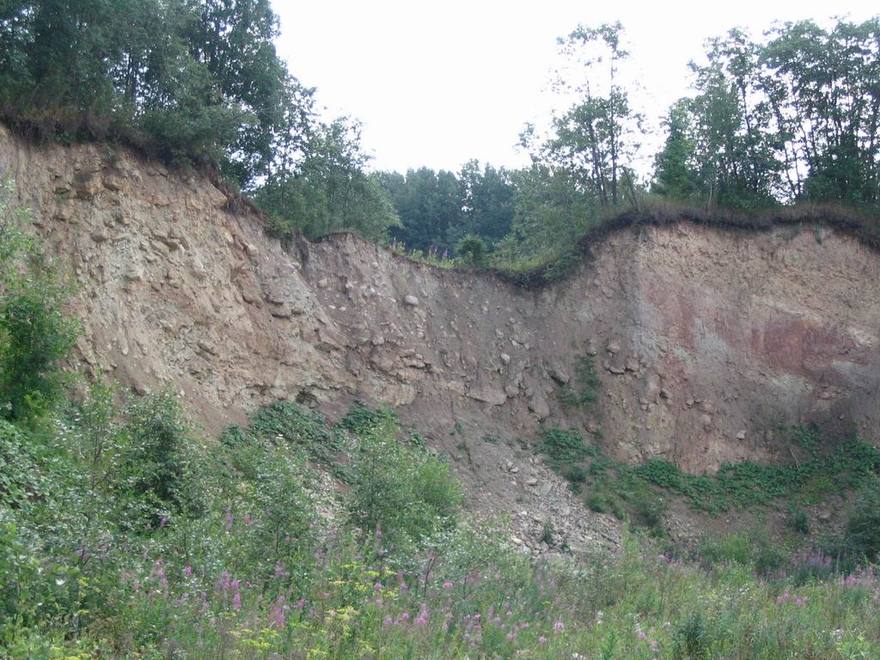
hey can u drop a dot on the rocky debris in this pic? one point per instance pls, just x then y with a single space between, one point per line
411 300
538 405
558 373
616 369
134 272
488 394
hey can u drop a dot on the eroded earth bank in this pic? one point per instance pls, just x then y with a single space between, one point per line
705 341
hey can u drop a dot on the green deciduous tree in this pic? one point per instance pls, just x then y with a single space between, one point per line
795 116
328 190
594 140
429 204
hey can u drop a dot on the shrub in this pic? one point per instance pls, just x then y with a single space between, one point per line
362 420
862 533
296 424
692 637
648 511
565 446
575 474
402 492
585 390
283 518
34 333
798 520
472 250
20 478
157 465
733 548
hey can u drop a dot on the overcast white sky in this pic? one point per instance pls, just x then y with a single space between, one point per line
438 83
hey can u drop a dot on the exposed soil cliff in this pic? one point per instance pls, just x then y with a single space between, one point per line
705 341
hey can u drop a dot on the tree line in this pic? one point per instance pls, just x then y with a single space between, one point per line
791 116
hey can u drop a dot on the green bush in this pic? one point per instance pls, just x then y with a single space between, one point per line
754 550
575 474
156 464
472 251
798 520
648 511
732 548
363 420
402 492
34 333
584 392
296 424
861 538
20 477
282 531
565 446
693 637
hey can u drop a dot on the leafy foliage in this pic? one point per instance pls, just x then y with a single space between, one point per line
199 82
401 493
790 117
862 533
34 334
328 191
156 464
565 446
584 392
471 250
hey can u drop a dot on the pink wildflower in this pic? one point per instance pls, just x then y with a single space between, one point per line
278 613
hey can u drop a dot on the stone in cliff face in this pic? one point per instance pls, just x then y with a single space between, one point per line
751 329
487 394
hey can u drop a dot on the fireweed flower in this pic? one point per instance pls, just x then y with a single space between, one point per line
229 520
224 582
278 613
422 618
158 573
